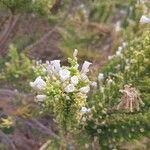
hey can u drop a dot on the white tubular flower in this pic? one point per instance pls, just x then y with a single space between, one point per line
75 53
84 110
38 84
100 76
56 64
83 77
64 74
50 68
84 89
40 98
74 80
69 88
94 84
85 67
144 20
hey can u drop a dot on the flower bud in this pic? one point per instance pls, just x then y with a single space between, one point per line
75 53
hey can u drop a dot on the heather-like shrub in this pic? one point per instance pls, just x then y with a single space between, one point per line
17 69
63 91
121 103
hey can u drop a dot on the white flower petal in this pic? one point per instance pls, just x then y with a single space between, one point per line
50 69
74 80
69 88
64 74
84 89
84 110
56 65
85 67
38 84
83 77
144 20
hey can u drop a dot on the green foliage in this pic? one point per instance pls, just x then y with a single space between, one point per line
83 38
94 22
2 147
40 6
17 69
112 126
43 6
103 10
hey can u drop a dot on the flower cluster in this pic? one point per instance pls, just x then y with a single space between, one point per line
63 90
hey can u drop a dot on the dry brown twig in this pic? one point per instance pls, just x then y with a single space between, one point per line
6 140
9 31
130 99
